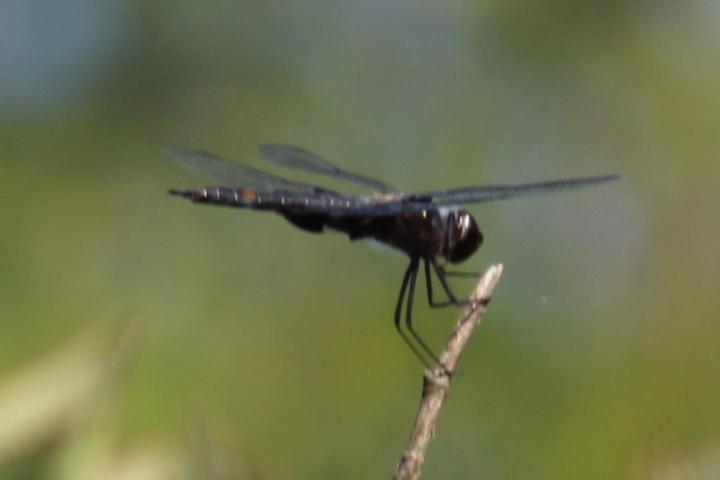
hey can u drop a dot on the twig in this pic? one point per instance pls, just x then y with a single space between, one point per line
436 382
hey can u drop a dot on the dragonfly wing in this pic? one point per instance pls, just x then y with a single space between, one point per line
491 193
234 174
395 204
389 204
251 185
299 158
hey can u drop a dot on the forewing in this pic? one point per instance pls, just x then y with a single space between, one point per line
234 174
493 193
395 204
388 204
276 192
296 157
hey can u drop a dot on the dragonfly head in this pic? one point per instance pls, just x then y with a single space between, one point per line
462 237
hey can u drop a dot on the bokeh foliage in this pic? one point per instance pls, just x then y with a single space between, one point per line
273 349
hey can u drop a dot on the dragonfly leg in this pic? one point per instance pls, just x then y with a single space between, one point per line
410 272
440 272
428 283
414 264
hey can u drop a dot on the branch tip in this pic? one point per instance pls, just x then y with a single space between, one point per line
436 382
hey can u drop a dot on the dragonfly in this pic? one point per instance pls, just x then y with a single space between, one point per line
429 227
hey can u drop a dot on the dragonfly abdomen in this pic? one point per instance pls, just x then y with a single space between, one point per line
280 201
232 197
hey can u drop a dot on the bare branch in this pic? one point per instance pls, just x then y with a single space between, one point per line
436 382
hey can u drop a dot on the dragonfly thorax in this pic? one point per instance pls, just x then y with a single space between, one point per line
462 236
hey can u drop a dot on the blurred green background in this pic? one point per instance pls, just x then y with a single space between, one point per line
145 337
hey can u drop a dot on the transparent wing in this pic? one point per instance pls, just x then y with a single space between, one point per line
493 193
234 174
389 204
296 157
395 204
275 192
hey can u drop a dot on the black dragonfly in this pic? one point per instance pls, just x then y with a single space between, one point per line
429 226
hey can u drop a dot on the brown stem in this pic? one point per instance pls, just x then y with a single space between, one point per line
436 382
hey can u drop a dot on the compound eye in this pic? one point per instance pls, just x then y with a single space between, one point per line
464 225
467 238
